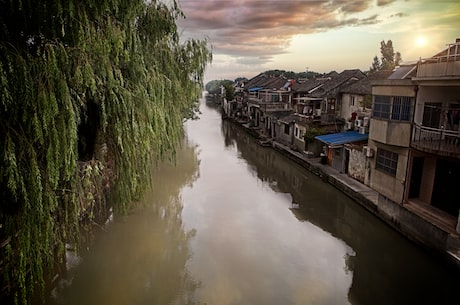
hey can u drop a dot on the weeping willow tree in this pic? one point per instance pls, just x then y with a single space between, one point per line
91 94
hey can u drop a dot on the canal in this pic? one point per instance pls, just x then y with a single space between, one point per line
234 223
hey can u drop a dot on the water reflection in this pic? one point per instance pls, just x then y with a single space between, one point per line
141 259
387 269
248 248
237 223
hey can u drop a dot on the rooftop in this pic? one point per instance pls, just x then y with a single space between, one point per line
342 138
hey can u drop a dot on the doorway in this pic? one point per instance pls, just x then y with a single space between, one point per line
416 177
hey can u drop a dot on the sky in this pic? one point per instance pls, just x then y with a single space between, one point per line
248 37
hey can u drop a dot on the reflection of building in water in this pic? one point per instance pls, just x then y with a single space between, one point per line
375 244
396 131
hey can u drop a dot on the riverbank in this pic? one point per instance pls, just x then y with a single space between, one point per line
423 225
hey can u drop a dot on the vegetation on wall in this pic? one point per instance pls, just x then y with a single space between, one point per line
229 92
367 101
91 94
311 133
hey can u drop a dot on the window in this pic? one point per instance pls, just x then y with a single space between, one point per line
396 108
381 107
431 115
401 108
286 128
298 133
387 161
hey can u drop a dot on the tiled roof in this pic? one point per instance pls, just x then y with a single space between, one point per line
308 85
332 87
363 86
266 82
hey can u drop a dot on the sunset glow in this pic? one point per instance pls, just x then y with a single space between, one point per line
254 36
421 41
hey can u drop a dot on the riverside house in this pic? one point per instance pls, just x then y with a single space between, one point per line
416 138
411 158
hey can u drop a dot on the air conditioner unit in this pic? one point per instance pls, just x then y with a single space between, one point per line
349 125
368 152
362 129
366 121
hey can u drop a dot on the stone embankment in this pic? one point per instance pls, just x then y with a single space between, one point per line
423 228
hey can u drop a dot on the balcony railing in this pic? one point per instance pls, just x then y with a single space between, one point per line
447 65
438 141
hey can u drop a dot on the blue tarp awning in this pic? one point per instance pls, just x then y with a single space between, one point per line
342 138
254 89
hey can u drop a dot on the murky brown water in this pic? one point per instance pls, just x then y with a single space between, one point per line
235 223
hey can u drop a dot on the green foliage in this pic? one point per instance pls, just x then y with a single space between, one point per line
398 58
293 75
91 93
229 92
375 65
389 58
214 86
367 101
311 133
388 55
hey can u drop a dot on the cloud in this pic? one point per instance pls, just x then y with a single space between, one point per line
400 15
384 2
349 7
261 29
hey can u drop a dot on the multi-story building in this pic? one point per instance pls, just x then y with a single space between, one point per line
434 164
390 132
414 132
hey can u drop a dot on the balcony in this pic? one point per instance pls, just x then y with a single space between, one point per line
436 141
428 70
446 65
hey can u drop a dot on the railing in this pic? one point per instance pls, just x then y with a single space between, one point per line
327 118
434 140
307 119
278 106
441 66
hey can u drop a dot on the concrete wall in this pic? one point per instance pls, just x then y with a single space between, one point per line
357 164
346 108
387 185
412 225
426 187
281 136
392 89
390 132
298 140
316 147
450 68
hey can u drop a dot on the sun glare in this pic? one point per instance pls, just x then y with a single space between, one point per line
421 41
